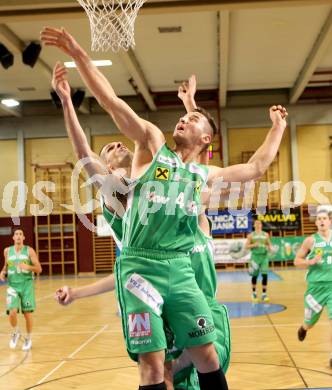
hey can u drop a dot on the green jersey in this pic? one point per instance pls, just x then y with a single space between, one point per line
17 275
262 239
322 271
162 208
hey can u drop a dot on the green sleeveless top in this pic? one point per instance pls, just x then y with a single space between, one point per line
15 273
162 208
320 272
262 239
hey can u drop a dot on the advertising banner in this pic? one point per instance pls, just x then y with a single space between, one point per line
223 222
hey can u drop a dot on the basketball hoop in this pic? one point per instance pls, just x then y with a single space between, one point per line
112 23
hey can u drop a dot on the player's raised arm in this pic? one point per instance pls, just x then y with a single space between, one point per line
186 93
74 130
128 122
260 161
94 166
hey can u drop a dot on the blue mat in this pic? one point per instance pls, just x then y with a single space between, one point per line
242 277
248 309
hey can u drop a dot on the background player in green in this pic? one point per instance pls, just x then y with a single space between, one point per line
315 255
259 244
21 262
154 161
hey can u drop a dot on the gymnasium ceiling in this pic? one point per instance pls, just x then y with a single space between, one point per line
243 52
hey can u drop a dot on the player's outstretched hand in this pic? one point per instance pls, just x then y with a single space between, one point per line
64 295
61 39
59 81
2 276
278 115
187 89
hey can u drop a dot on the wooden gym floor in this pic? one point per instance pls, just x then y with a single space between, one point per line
81 346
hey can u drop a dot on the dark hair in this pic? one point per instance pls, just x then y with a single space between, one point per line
14 229
209 118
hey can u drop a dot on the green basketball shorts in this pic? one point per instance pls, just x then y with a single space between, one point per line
258 264
21 296
316 297
153 286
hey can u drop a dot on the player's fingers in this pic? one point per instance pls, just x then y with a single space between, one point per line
51 31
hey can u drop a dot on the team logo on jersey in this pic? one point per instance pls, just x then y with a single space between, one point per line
139 324
161 173
318 251
198 186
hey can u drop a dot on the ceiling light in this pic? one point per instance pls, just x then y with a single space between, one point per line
71 64
10 102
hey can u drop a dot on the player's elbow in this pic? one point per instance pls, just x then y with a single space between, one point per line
259 169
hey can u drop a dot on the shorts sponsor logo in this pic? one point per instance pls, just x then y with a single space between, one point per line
204 328
161 173
144 291
139 325
201 322
307 314
314 305
11 292
140 342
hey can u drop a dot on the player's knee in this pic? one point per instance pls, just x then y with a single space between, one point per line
204 357
151 367
13 313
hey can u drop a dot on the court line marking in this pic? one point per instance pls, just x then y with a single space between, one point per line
133 366
287 351
73 354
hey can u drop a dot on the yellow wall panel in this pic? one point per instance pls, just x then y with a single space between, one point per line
315 156
241 140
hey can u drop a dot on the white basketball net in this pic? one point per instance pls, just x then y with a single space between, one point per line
112 23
